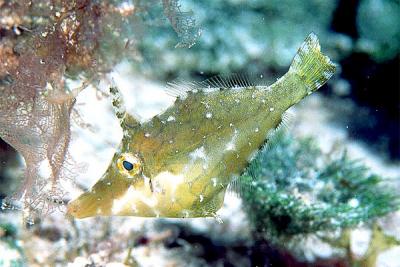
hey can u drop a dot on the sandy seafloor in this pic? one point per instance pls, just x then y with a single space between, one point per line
60 241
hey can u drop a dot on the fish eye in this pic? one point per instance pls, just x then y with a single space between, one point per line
129 164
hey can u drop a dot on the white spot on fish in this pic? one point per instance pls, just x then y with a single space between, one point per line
170 141
146 135
256 130
108 183
201 198
198 153
171 118
209 115
214 181
230 146
237 101
271 109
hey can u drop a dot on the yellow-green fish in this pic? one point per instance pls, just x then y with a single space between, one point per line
180 163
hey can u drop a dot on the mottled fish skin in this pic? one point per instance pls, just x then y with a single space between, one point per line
189 154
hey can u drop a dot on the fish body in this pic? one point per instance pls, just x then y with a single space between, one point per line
180 163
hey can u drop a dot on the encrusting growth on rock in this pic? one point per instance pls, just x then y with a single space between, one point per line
43 47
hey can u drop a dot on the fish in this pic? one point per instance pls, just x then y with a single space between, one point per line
180 163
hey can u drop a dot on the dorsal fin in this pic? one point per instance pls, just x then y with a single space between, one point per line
230 82
125 119
180 88
130 121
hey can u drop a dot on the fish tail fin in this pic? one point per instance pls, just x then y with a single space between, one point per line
313 67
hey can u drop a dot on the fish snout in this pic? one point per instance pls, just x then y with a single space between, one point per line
83 206
73 209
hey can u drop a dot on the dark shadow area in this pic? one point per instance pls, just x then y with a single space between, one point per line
344 18
8 158
375 87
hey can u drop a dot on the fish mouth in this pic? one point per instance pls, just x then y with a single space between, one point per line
83 206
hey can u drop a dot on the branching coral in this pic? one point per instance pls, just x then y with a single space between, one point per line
292 189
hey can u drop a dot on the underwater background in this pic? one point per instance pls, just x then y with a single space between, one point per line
324 191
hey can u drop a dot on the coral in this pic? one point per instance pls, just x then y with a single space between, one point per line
36 106
49 44
291 189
